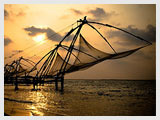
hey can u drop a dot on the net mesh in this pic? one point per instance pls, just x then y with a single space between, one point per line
18 68
92 55
87 57
55 68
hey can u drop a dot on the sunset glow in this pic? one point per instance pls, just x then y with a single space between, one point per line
28 26
79 59
39 38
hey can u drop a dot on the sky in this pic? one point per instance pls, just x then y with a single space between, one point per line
28 27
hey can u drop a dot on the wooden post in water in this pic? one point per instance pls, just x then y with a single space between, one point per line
34 83
56 83
16 84
62 83
11 79
25 78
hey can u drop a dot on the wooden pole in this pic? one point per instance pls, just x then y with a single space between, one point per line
33 83
56 83
62 83
16 84
68 55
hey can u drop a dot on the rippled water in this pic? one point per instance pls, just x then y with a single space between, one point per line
84 97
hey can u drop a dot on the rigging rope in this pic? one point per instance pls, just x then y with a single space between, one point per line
36 44
123 31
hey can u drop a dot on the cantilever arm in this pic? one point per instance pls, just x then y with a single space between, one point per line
70 32
102 37
121 30
71 53
40 61
80 51
24 65
56 47
29 61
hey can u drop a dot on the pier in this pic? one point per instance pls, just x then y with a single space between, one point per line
29 80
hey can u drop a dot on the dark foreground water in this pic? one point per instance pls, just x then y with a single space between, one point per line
84 98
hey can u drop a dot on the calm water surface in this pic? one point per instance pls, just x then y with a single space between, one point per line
84 98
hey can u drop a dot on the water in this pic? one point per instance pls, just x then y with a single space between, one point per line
84 98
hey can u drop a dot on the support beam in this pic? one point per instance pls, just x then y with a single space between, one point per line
102 37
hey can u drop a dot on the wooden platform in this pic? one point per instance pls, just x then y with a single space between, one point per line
30 80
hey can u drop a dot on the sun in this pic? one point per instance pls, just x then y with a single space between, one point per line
39 38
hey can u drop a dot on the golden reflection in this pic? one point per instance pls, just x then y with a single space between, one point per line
39 103
35 111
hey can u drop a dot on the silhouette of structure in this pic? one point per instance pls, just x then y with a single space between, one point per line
55 67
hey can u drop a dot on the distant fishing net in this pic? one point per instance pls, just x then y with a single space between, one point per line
18 67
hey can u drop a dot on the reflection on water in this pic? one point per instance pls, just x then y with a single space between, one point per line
40 99
35 111
83 97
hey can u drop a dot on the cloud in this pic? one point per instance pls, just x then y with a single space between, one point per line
51 34
96 14
12 13
99 14
21 13
76 12
149 34
6 14
7 41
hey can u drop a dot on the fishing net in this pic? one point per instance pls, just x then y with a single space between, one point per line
18 68
55 68
87 57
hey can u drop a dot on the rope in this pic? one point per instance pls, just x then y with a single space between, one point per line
36 44
123 31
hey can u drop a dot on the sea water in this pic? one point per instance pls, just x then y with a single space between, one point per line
84 98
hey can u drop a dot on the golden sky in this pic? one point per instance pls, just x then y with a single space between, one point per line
27 26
